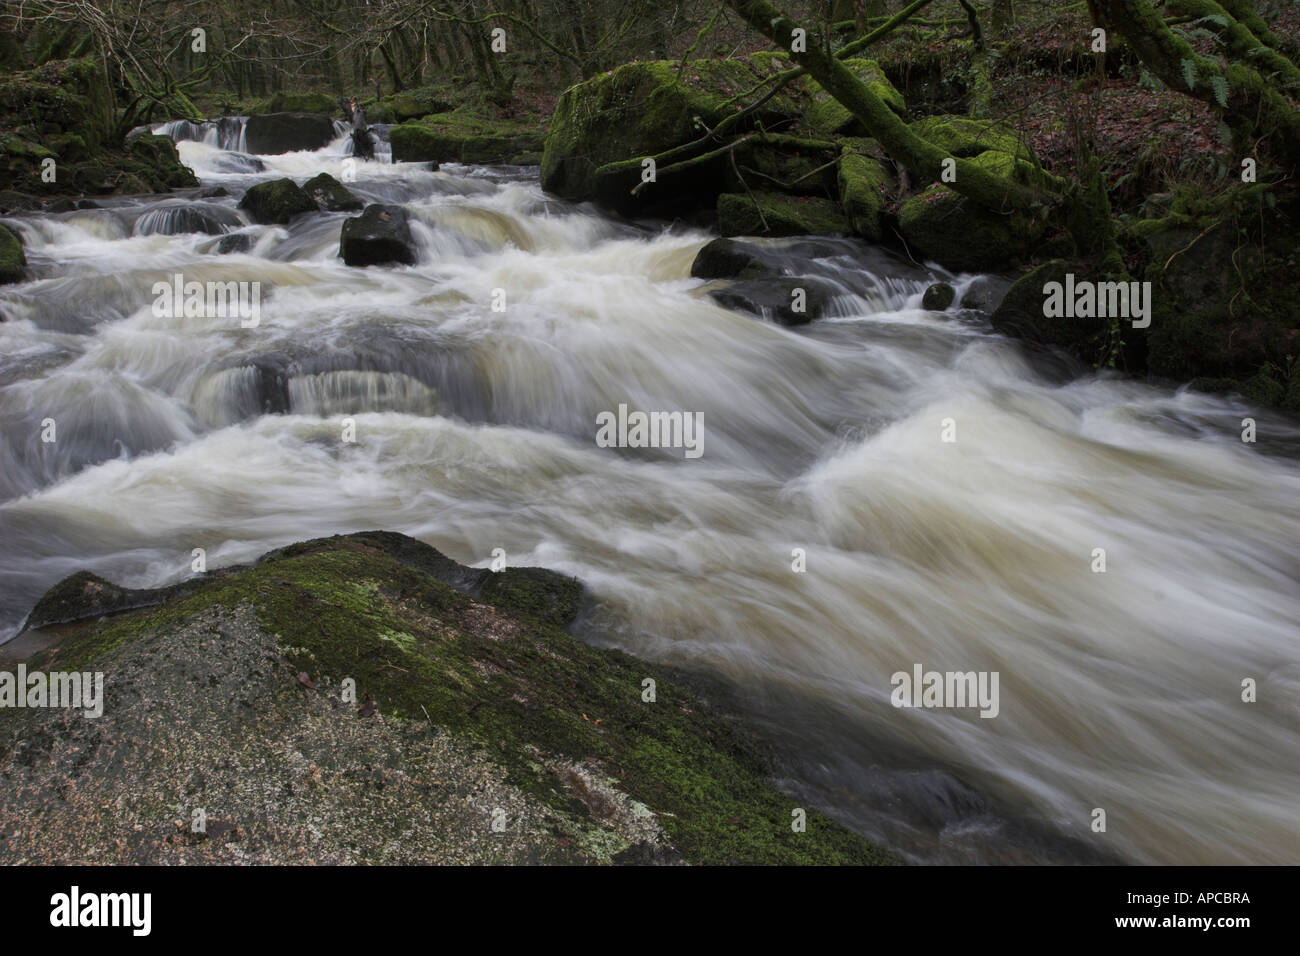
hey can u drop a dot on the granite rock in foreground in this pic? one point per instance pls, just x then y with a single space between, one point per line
480 732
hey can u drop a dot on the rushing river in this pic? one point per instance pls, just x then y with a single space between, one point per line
475 430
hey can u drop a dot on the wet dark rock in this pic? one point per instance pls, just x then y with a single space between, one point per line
276 202
330 194
733 259
938 297
175 220
778 299
275 133
13 263
235 242
985 294
379 236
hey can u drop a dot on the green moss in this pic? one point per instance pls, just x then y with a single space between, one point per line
276 201
13 263
965 138
517 685
463 137
415 103
643 109
827 114
299 103
781 216
943 226
862 181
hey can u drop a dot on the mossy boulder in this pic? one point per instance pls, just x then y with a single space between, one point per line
276 201
945 227
283 102
1021 314
862 183
463 137
393 705
739 215
13 263
1225 308
642 109
413 104
330 194
964 138
938 297
61 96
826 114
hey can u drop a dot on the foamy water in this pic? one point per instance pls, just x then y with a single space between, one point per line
475 430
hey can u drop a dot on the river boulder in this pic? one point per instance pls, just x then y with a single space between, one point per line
789 300
276 202
938 297
774 214
13 264
275 133
642 109
379 236
732 259
330 194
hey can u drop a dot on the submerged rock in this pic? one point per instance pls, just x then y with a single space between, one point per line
393 706
379 236
276 202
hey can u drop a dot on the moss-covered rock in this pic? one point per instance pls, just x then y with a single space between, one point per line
463 137
283 102
1222 268
276 201
730 259
464 694
964 138
945 227
643 109
1022 315
862 182
739 215
13 263
938 297
413 104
